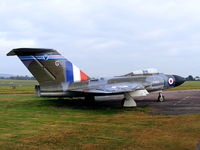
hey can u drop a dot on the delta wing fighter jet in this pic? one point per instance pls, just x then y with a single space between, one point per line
58 77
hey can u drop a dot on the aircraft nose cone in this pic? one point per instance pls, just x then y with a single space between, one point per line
179 80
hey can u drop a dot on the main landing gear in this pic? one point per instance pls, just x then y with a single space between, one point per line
161 98
89 100
128 101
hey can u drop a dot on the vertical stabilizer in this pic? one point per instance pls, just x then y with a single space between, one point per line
47 65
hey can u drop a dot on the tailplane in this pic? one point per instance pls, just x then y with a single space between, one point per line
47 65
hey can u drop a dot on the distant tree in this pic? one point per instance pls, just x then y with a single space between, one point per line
197 78
190 78
19 78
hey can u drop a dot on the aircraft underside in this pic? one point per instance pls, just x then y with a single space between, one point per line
127 101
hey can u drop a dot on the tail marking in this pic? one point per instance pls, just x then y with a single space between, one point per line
74 74
42 57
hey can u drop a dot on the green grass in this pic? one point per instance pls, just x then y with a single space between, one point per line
18 89
27 122
18 82
188 85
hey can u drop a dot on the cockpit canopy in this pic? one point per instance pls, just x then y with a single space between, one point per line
148 71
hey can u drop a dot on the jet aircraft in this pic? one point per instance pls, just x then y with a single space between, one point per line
59 77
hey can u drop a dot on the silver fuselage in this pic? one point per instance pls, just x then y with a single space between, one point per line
152 83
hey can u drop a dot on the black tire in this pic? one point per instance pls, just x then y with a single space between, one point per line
37 91
161 99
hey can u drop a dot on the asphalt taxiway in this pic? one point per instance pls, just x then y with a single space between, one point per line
176 102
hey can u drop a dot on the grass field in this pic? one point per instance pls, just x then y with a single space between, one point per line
22 82
17 89
188 85
29 122
33 123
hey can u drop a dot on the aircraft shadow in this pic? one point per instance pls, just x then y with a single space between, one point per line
81 104
98 104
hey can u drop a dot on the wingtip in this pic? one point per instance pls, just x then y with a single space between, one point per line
11 53
17 51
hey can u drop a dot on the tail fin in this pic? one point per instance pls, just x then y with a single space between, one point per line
47 65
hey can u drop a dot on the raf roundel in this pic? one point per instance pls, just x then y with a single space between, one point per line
171 81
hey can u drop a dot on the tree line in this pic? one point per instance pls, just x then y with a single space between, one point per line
18 78
191 78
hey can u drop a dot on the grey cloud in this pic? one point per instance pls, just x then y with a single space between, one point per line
106 37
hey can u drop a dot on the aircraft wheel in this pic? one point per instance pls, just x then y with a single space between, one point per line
161 98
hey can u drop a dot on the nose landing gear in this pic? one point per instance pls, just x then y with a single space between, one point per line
161 98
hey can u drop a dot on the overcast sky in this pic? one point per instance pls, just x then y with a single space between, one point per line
105 38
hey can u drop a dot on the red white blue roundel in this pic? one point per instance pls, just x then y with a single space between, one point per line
171 81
